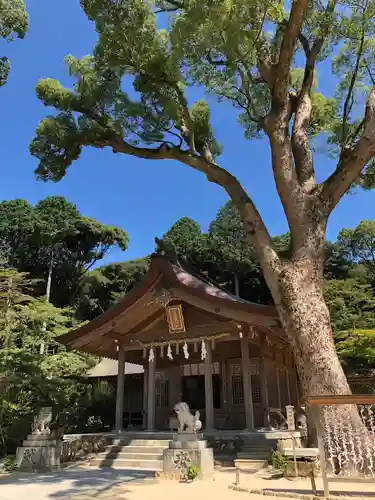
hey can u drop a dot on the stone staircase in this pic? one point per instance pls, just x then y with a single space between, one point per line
136 454
142 452
255 453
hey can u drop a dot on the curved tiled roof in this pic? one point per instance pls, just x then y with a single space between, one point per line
188 284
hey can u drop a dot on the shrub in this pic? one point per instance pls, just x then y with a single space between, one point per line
192 472
278 460
10 464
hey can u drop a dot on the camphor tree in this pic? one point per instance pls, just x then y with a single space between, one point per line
13 24
248 53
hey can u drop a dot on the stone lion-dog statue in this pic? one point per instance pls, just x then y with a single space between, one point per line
42 421
187 421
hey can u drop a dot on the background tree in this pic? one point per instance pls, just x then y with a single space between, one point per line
358 244
13 24
185 238
246 53
28 380
54 243
106 285
17 224
351 303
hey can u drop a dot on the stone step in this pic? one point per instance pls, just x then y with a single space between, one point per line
123 463
265 451
252 456
126 455
135 449
256 447
250 465
161 443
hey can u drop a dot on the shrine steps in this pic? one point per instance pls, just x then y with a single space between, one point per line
144 450
137 454
255 453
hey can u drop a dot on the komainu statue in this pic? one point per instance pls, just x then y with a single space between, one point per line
42 421
188 422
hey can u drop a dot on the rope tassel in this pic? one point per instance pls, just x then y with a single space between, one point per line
151 356
203 350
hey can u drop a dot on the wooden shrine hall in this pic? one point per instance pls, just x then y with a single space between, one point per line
224 356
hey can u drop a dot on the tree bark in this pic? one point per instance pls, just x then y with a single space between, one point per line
305 318
296 286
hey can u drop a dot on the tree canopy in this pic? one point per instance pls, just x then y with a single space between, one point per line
13 24
247 53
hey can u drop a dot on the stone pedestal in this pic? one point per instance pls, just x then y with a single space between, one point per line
39 452
195 448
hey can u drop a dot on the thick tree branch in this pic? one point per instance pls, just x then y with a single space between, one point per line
291 33
349 96
170 6
303 158
187 127
253 223
276 124
352 161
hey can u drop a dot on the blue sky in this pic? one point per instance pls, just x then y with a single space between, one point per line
144 198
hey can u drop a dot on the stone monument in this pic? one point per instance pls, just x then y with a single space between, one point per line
40 451
188 447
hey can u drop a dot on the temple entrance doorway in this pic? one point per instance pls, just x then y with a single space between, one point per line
193 393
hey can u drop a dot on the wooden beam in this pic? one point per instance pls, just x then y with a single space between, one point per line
355 399
164 335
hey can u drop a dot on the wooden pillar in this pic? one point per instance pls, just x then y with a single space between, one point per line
120 389
246 378
264 387
209 397
278 387
151 395
295 378
288 387
224 386
144 404
175 386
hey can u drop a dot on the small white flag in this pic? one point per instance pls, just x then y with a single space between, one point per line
151 356
169 352
203 350
186 351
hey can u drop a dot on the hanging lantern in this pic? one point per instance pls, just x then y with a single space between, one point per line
177 348
151 356
169 352
203 350
186 351
162 351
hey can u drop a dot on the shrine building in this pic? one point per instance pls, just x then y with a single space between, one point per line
224 356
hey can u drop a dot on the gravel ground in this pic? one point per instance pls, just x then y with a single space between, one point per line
82 483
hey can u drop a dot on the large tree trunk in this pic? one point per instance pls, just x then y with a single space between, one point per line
305 318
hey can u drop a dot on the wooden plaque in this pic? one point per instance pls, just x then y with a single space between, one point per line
175 318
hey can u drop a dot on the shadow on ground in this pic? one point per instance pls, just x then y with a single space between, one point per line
74 484
338 493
